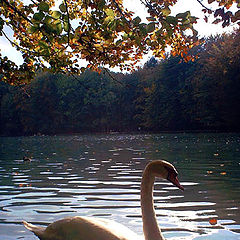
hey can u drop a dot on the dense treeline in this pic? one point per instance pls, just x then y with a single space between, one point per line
170 95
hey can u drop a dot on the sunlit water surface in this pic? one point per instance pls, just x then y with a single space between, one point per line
99 175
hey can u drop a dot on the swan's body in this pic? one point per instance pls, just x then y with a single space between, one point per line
88 228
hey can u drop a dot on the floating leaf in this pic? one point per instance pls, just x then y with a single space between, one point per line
213 221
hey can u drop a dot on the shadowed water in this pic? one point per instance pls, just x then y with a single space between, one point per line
100 175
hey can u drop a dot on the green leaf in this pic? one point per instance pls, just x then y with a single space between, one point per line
119 42
45 52
185 21
47 19
110 12
43 6
143 28
62 7
56 14
38 16
66 26
32 29
171 20
83 69
42 44
57 27
151 27
136 20
166 11
183 15
101 4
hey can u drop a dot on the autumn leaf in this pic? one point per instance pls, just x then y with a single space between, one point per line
213 221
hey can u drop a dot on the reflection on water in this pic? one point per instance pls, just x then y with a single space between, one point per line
100 176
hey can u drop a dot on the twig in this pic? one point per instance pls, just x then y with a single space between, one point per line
204 6
25 91
114 79
111 76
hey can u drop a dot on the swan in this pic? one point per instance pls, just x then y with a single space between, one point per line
89 228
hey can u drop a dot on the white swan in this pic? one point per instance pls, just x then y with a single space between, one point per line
88 228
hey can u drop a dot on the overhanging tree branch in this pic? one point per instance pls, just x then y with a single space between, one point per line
17 11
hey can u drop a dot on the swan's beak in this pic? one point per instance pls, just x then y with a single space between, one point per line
173 179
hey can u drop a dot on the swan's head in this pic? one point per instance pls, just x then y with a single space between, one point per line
165 170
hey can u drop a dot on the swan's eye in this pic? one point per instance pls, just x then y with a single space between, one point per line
172 177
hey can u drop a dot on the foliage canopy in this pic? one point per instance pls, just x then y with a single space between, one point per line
54 36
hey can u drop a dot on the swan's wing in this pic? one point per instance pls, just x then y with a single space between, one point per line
87 228
118 229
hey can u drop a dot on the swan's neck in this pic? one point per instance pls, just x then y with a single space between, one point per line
150 226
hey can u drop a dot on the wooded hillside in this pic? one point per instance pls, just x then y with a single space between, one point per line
169 95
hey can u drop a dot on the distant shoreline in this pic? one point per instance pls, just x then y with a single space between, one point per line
125 132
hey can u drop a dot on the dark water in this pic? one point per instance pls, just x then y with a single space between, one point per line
100 176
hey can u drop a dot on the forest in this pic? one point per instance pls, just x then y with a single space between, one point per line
166 95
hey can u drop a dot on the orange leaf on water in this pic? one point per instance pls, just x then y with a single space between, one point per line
213 221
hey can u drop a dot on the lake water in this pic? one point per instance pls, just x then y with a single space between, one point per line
99 175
